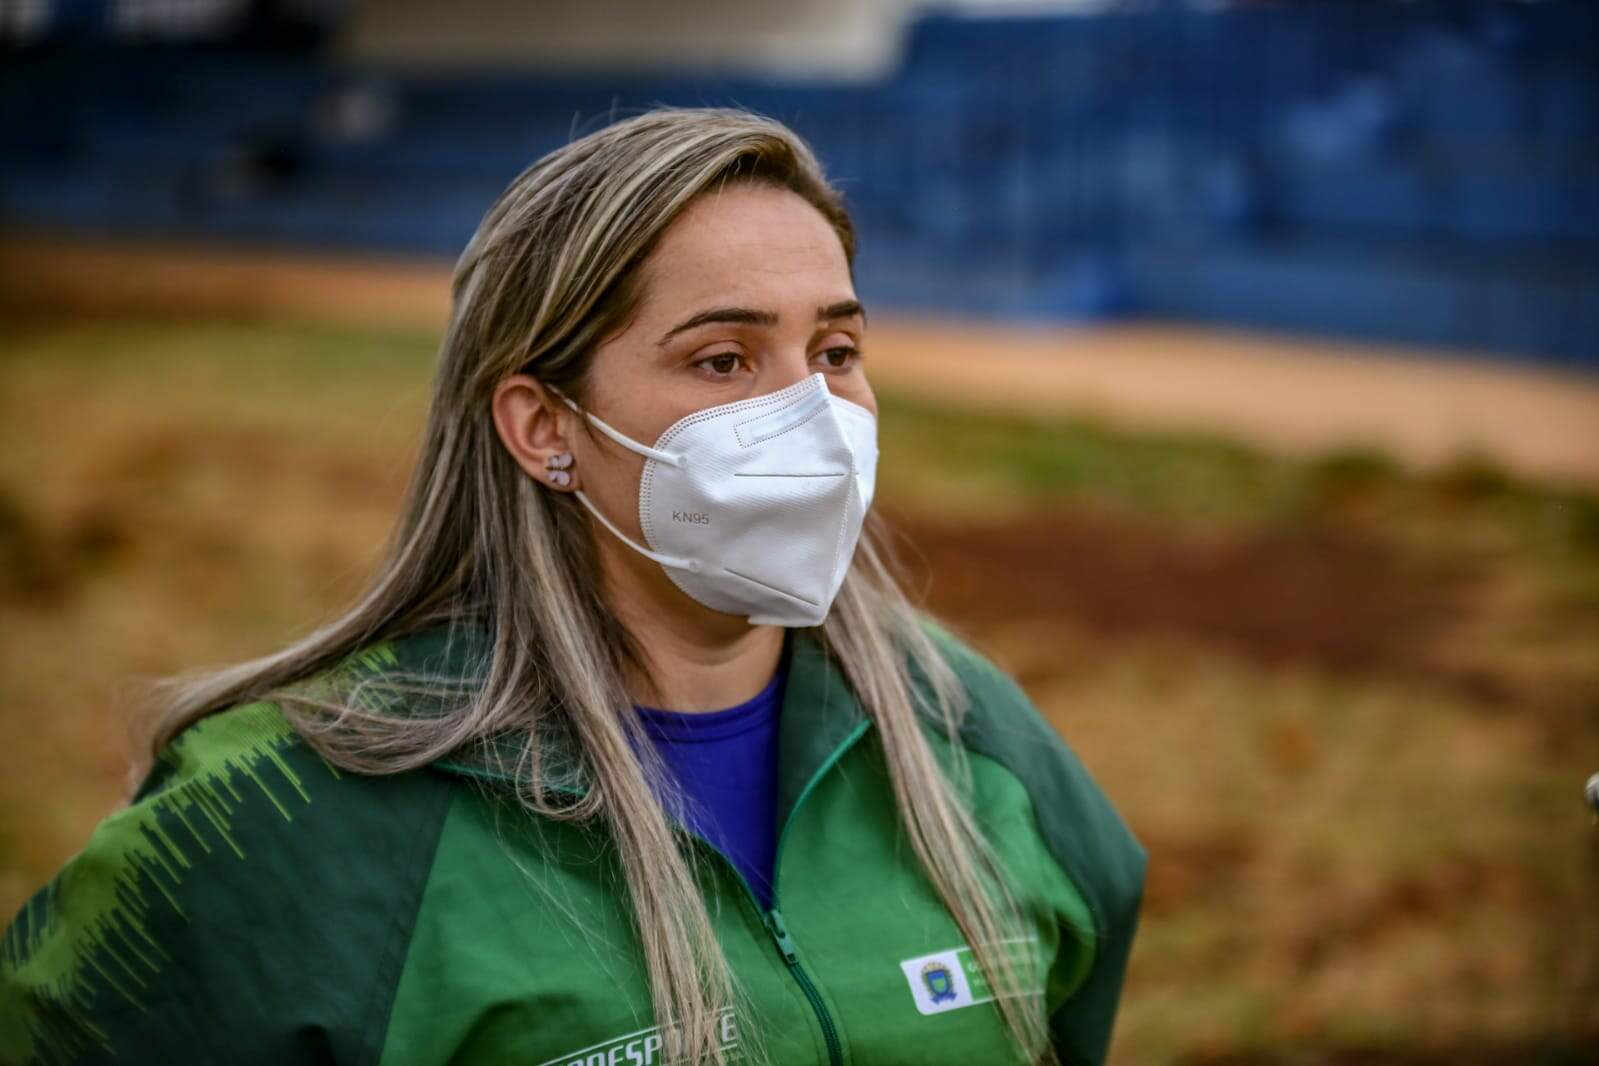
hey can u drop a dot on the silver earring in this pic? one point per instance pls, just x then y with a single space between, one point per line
557 466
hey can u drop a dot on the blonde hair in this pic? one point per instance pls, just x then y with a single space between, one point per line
552 269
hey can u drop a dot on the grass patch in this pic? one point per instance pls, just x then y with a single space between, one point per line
969 461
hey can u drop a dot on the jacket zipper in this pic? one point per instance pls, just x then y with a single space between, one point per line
774 923
773 919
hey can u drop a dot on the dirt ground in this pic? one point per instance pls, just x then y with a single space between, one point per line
1357 603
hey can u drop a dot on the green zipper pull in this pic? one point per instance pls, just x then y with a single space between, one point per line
779 931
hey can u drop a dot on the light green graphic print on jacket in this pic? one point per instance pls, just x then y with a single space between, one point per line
253 905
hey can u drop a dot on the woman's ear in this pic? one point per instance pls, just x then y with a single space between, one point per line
533 423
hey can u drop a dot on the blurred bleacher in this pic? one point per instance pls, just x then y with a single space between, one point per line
1422 172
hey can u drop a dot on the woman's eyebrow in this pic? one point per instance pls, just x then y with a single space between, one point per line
751 316
746 315
842 309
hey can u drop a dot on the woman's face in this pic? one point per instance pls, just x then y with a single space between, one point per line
747 292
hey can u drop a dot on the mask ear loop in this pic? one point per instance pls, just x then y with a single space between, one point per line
665 560
669 458
627 442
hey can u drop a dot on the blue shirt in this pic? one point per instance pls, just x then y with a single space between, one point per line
725 762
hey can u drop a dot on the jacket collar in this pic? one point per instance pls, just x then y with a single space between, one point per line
820 717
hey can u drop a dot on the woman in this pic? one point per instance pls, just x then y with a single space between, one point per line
633 751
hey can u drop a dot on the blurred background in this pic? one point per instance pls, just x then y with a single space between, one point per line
1239 366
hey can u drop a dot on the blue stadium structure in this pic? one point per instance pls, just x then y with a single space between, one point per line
1424 172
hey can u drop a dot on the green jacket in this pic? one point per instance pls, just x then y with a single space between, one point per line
253 905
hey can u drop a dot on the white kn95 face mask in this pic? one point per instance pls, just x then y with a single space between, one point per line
754 508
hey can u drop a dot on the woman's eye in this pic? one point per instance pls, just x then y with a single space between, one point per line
725 363
840 358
